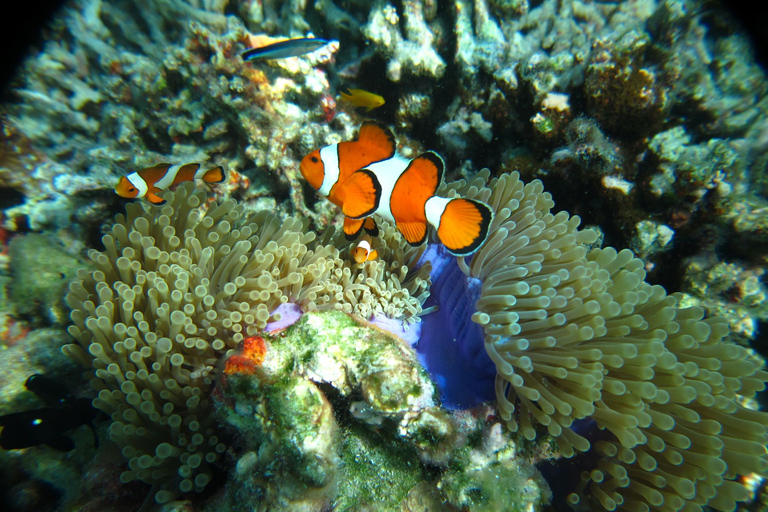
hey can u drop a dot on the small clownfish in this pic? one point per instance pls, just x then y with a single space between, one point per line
363 251
148 182
365 177
361 98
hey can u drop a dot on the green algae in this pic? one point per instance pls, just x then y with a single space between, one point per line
41 270
376 472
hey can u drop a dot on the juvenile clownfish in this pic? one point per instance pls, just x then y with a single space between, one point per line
361 98
363 251
365 177
148 182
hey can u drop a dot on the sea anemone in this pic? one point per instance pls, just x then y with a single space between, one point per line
179 286
575 334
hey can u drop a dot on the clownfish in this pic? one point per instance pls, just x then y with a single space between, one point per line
361 98
148 182
363 251
366 177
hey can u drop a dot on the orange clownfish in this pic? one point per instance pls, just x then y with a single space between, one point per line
363 251
148 182
365 177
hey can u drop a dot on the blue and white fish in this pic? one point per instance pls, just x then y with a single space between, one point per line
285 49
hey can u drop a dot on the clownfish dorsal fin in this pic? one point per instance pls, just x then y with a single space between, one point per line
370 227
378 137
414 187
375 142
352 227
360 194
463 224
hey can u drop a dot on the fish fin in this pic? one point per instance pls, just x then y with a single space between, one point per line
352 227
375 134
375 142
360 194
415 232
417 183
370 227
464 225
372 255
346 96
215 175
153 198
61 443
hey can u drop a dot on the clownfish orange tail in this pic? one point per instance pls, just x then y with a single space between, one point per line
215 175
463 223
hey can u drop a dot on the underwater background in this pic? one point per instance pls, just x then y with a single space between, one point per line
602 350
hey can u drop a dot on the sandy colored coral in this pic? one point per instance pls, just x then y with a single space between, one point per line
177 287
578 335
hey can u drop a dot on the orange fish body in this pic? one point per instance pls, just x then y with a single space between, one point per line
148 182
366 177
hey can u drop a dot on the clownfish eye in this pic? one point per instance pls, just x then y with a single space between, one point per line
314 159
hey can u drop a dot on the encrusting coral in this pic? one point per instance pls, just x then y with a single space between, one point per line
179 286
577 334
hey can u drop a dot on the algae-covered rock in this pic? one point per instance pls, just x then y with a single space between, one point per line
335 414
41 270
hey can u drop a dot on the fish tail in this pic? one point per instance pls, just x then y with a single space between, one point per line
464 225
215 175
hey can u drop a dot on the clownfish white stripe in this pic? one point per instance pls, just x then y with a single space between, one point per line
138 182
330 157
434 208
387 173
170 175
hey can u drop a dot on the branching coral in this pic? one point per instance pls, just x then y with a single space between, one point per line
179 286
576 335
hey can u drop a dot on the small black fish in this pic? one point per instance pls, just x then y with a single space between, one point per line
285 49
47 425
49 391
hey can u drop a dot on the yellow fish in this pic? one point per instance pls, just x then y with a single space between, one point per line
361 98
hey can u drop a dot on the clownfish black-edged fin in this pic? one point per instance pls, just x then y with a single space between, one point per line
415 232
370 227
215 175
361 194
376 135
464 225
352 227
154 198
